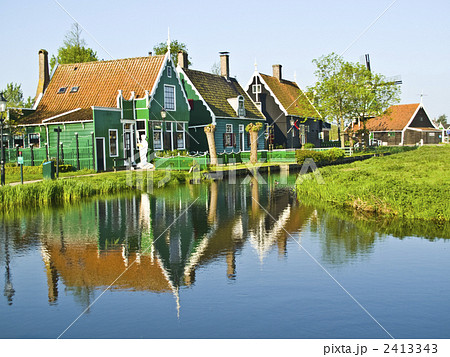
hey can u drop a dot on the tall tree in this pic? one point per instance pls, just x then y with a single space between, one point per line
442 119
371 94
346 91
215 68
14 96
175 47
74 49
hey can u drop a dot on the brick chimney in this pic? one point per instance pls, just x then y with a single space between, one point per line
277 71
44 77
225 64
183 61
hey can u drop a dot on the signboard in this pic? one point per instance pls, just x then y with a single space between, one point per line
20 160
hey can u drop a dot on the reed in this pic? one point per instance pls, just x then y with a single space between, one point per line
68 190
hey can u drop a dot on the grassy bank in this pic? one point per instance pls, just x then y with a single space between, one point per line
72 189
32 173
414 184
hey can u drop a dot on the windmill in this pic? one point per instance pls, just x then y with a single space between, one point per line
397 80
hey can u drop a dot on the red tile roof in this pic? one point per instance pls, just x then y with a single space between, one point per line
291 97
98 84
395 118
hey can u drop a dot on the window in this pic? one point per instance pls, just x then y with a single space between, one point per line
430 134
34 139
241 128
169 71
18 140
62 90
391 135
228 140
157 136
169 97
180 127
113 143
140 127
168 126
74 89
5 141
241 107
256 88
229 128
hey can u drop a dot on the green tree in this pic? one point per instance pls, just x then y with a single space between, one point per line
175 47
371 94
74 49
14 96
345 91
215 68
442 119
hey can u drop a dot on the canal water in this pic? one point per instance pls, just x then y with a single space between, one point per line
220 260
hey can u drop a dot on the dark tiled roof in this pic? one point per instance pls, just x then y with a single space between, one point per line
216 90
395 118
82 114
291 97
98 84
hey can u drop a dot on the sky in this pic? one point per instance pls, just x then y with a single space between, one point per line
410 38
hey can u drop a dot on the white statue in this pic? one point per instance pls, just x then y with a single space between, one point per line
143 149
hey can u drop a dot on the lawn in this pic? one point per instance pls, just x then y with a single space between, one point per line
414 184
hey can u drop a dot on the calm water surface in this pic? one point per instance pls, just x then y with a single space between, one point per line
219 260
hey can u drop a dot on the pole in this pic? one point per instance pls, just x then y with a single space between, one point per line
21 174
2 154
46 152
93 150
78 151
32 154
57 151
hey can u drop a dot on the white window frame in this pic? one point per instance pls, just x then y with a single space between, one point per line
241 111
39 136
174 98
184 135
160 131
169 71
139 131
229 126
117 142
241 128
5 142
256 88
182 127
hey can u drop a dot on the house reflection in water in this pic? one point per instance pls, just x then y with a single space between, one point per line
156 242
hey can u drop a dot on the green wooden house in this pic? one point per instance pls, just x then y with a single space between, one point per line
221 101
104 109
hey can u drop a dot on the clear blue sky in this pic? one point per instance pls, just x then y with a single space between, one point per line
411 39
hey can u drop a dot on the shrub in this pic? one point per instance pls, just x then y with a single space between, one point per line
308 146
301 155
333 154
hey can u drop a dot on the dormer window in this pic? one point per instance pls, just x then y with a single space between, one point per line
74 89
169 71
256 88
62 90
241 107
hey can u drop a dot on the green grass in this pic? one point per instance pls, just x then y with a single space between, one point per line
413 184
47 193
32 173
